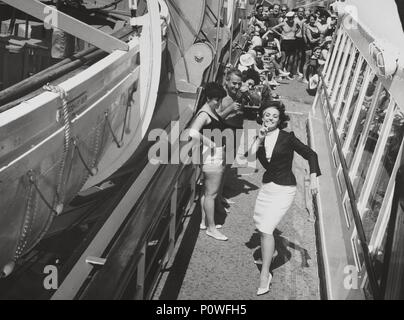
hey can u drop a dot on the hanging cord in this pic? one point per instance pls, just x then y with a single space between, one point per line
118 144
91 171
66 122
58 208
32 210
33 181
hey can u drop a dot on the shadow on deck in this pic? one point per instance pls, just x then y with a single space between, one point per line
207 269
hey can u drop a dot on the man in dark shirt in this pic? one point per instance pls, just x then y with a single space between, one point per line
272 19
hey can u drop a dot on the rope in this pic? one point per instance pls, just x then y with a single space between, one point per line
57 209
91 171
118 144
66 118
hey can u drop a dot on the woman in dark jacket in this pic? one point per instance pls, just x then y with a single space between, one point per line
275 149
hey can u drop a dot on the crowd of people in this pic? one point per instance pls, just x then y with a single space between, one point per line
283 44
286 44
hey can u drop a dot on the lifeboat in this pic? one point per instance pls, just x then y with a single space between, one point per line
70 127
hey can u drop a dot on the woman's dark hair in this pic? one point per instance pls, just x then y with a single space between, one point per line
251 74
214 90
259 49
316 48
283 117
324 45
311 16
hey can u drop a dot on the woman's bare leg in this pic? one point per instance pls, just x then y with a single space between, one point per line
212 185
203 213
267 251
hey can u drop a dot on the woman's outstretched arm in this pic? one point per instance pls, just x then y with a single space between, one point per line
311 156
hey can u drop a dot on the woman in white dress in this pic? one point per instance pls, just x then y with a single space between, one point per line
275 149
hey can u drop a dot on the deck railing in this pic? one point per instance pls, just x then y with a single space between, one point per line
392 279
374 286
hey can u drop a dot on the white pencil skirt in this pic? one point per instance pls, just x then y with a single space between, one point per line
271 205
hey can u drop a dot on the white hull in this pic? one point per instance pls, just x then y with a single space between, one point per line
45 159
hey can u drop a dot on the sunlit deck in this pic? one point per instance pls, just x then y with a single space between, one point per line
206 269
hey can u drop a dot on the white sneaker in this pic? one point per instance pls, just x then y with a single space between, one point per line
228 201
284 73
217 235
274 83
300 74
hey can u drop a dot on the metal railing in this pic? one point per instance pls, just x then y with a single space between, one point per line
352 199
388 289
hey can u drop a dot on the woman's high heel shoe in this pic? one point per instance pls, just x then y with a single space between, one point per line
266 289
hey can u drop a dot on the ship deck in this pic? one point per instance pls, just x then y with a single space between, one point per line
206 269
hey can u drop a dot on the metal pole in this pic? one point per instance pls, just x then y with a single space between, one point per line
55 71
217 55
397 209
234 9
69 24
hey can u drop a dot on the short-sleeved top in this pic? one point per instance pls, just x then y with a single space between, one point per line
288 32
